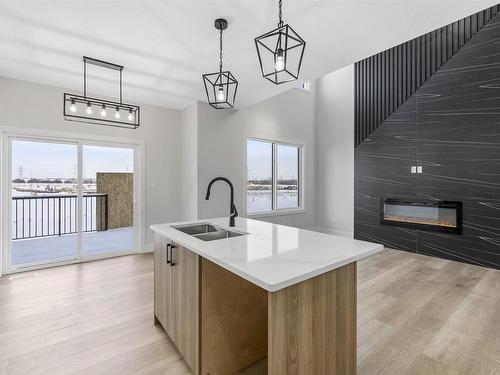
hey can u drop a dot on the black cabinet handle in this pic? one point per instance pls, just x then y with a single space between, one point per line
172 255
168 256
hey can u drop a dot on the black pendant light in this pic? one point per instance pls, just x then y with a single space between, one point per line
82 108
220 86
280 53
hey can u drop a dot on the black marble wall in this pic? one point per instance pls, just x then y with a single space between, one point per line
450 126
386 80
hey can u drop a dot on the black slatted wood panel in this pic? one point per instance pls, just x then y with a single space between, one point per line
385 81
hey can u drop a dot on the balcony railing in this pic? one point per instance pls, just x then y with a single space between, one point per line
44 216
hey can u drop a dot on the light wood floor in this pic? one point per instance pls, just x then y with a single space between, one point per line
417 315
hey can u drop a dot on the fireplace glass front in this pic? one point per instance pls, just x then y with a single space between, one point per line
442 216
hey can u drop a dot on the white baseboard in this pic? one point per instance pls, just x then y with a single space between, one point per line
148 248
336 232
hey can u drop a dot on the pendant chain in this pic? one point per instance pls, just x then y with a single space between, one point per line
220 48
280 23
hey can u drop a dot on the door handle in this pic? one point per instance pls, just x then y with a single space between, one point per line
168 256
172 255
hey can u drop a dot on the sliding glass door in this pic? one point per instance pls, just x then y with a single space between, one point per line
43 191
108 200
68 201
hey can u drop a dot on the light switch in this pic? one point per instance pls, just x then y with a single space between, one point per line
419 169
413 169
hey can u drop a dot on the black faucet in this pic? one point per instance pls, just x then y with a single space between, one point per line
233 212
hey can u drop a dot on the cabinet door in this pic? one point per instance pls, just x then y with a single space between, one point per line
162 284
185 292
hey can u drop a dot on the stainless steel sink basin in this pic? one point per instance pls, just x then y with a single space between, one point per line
218 235
193 229
207 232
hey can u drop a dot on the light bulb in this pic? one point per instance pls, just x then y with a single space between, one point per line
130 115
220 94
73 106
279 62
88 111
117 113
103 111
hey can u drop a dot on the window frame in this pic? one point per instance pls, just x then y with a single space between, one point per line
274 168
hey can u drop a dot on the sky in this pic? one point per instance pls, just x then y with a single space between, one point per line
259 160
59 160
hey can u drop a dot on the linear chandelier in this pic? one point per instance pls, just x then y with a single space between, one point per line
100 111
280 52
220 86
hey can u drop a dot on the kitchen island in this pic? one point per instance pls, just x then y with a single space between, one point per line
258 297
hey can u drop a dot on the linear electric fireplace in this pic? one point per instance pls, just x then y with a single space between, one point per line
441 216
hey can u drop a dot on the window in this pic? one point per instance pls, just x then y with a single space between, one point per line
287 176
259 176
273 176
304 86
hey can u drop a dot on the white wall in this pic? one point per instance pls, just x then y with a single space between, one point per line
222 150
334 128
189 162
26 105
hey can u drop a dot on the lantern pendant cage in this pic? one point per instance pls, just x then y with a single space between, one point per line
221 86
280 52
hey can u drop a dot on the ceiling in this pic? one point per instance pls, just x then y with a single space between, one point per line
166 46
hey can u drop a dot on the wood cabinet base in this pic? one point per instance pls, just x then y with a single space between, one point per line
224 325
233 321
308 328
312 326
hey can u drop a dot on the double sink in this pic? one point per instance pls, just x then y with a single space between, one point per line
207 232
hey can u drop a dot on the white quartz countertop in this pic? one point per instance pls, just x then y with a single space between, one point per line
272 256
